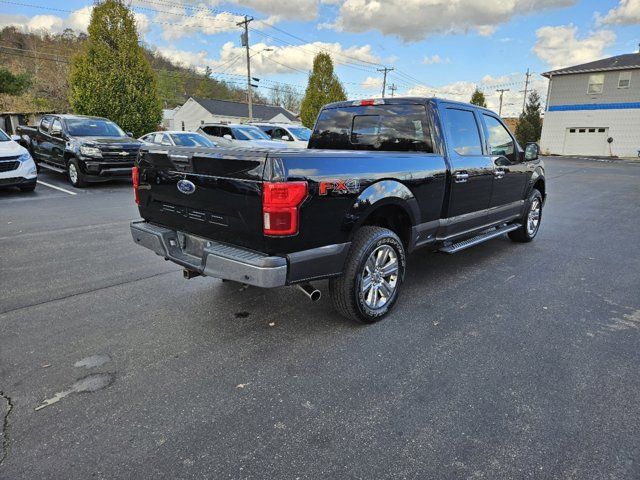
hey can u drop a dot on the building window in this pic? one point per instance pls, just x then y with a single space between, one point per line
624 80
596 83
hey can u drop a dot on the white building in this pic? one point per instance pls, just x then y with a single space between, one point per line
167 118
197 111
594 109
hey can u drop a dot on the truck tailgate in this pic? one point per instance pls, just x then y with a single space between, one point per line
215 193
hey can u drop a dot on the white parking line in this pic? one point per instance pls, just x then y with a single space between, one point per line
57 188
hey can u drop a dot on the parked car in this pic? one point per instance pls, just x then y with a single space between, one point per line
296 136
380 179
239 135
177 139
87 149
17 168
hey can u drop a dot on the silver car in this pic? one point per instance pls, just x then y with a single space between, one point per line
177 139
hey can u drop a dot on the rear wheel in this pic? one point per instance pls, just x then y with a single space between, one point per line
373 274
75 175
530 220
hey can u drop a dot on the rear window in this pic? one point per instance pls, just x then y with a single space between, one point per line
379 127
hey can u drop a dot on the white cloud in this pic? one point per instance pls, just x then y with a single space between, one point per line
177 22
626 13
560 46
433 59
413 20
187 58
78 20
372 83
462 90
304 10
286 59
285 9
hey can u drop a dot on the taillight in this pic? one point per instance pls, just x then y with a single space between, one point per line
280 202
135 178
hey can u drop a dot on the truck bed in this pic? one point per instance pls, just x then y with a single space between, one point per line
226 204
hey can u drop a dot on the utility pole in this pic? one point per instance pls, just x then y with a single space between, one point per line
245 43
501 92
526 90
384 80
393 88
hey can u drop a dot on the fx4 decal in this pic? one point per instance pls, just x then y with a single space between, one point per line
340 186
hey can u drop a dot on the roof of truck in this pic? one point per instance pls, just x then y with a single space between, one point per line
401 100
71 115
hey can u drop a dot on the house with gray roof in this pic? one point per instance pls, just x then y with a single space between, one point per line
593 109
197 111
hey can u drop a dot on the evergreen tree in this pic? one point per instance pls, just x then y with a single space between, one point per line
323 87
478 98
530 123
111 77
13 84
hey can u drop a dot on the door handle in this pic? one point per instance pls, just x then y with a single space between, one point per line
461 177
499 173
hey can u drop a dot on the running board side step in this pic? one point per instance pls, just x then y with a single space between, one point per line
470 242
51 167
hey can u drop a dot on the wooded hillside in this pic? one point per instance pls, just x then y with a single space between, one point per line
46 59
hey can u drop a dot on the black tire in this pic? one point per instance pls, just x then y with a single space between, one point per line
526 233
78 179
346 291
28 188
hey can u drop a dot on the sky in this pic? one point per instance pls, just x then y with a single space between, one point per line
436 47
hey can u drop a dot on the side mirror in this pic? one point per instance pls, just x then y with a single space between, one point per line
56 132
227 136
16 138
286 138
130 134
531 152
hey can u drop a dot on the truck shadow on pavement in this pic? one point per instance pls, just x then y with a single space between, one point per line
245 309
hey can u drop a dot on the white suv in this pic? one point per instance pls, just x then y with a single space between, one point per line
295 136
238 135
17 168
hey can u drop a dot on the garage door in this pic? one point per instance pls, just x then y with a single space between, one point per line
586 141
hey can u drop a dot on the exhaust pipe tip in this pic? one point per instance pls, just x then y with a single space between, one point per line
189 274
311 292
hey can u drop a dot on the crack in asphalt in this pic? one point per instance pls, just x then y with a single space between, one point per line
91 290
5 428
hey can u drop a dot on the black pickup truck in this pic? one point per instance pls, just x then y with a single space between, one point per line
380 178
88 149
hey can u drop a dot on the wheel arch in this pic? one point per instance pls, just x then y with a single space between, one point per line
538 182
389 204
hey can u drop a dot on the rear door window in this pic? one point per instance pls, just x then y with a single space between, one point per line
213 131
44 124
386 127
464 136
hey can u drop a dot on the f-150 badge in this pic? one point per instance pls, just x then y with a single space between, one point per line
340 186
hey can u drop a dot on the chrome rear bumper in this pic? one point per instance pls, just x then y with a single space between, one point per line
211 258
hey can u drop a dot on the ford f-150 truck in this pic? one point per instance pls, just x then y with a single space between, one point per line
87 149
381 178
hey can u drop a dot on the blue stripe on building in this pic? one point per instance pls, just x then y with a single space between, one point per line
593 106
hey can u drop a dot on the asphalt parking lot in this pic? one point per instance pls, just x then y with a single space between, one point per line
503 361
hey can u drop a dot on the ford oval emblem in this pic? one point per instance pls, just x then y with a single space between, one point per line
186 187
